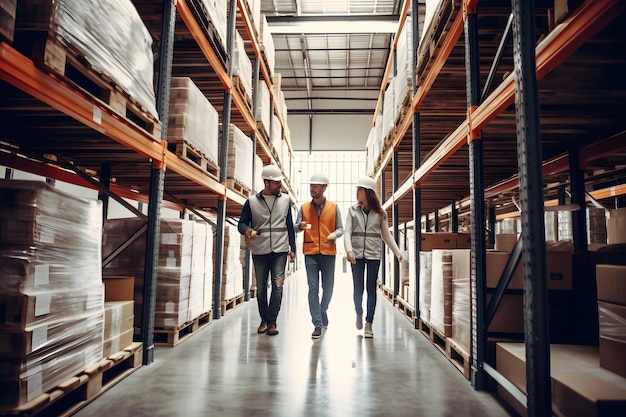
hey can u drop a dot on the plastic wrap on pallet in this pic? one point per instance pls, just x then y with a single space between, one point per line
192 118
174 267
461 299
507 226
208 269
232 269
612 321
564 225
108 33
369 150
23 381
389 115
242 66
7 18
258 181
425 284
432 7
403 85
217 11
240 153
196 283
276 135
267 43
37 307
596 225
264 111
441 292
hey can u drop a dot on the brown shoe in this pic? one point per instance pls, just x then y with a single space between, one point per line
262 328
272 330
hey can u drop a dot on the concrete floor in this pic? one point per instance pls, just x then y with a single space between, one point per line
227 369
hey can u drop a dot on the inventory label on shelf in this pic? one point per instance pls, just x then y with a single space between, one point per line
97 114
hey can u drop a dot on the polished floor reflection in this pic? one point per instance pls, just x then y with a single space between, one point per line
227 369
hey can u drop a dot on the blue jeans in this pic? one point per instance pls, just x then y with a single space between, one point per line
358 276
265 265
316 264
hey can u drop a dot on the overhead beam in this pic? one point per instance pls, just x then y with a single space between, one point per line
324 25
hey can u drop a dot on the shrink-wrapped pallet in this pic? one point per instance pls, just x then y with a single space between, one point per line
51 291
267 45
596 225
441 292
276 135
209 269
263 110
425 283
461 299
240 153
7 18
242 67
192 119
232 270
216 12
174 267
109 34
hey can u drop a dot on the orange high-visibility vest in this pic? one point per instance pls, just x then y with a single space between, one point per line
315 238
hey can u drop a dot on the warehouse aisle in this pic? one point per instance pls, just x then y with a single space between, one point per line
227 369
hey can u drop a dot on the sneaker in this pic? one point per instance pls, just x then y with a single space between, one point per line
359 321
368 330
272 330
262 328
324 319
317 333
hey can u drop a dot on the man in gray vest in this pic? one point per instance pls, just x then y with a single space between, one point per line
267 223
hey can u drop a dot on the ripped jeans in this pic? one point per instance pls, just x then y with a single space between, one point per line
272 264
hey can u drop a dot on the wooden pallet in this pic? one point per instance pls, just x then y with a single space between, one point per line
174 336
406 308
387 292
69 65
193 156
437 31
233 184
231 304
239 86
210 31
446 345
75 393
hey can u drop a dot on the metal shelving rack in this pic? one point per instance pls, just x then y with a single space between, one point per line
519 87
155 171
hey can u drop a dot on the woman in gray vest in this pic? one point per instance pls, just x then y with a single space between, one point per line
267 223
365 229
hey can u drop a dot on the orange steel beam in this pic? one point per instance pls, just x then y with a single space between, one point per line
22 73
552 51
203 43
403 15
448 44
55 172
257 52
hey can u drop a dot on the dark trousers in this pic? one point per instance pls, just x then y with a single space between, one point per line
358 279
272 264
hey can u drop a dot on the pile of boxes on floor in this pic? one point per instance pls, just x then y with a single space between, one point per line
54 321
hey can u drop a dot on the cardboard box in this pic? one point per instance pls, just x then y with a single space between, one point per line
509 317
117 343
464 241
558 270
613 355
117 288
616 226
611 283
506 241
579 386
432 241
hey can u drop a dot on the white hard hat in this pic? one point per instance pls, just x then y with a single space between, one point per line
271 173
367 183
319 179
